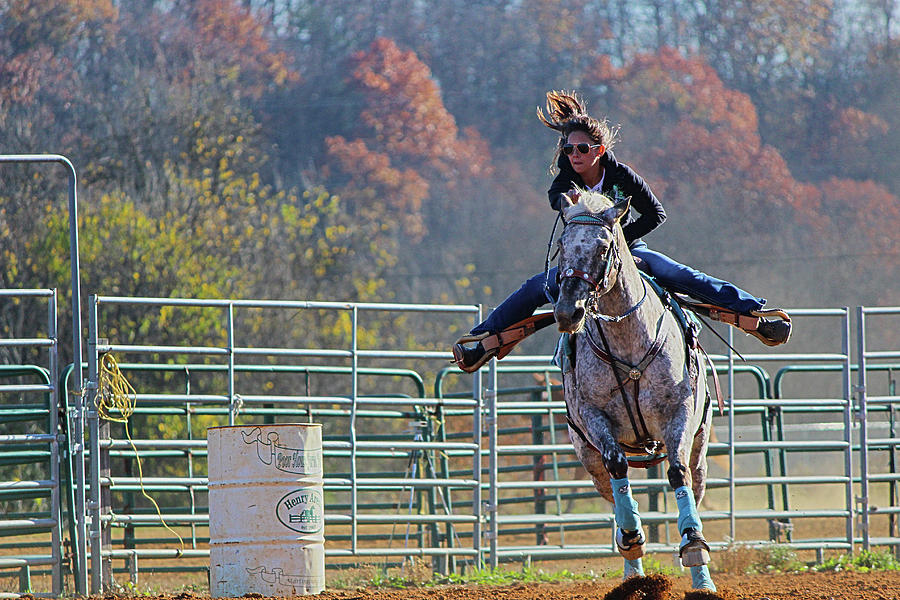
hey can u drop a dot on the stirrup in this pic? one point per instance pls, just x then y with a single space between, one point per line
459 352
769 331
499 344
771 312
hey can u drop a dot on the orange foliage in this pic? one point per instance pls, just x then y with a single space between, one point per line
702 139
228 33
410 141
405 112
376 185
852 131
862 213
54 22
34 32
23 76
699 144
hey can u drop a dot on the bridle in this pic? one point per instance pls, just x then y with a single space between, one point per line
612 264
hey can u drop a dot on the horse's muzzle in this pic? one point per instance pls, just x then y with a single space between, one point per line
569 316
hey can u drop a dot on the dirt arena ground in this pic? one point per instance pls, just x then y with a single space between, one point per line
882 585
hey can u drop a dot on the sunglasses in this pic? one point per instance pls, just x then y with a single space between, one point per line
582 148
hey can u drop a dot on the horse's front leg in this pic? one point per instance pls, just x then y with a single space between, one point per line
693 550
629 533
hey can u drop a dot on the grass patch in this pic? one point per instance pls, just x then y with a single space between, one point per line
507 577
417 573
863 562
778 558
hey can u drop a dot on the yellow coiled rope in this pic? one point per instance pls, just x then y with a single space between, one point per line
116 400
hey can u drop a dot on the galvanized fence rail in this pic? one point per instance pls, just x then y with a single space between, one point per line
535 499
29 445
479 471
872 409
361 495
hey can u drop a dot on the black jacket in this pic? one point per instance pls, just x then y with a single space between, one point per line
619 181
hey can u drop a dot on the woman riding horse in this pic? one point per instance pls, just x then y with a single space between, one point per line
635 390
585 160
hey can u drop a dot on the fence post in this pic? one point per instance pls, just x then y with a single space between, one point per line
478 432
55 454
81 542
99 466
863 499
848 426
493 474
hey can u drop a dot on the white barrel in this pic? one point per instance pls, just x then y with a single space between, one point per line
266 511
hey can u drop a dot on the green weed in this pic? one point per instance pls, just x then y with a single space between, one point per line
863 562
527 574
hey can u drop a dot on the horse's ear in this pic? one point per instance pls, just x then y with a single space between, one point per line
570 202
618 210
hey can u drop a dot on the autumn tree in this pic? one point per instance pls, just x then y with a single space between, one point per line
411 166
698 143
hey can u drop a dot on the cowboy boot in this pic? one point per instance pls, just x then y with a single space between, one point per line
771 332
471 358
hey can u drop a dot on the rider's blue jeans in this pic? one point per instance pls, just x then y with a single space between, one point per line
670 274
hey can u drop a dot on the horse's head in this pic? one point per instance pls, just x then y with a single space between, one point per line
588 256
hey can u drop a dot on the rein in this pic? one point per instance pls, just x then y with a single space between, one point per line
547 260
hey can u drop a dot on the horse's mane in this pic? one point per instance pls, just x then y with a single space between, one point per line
590 202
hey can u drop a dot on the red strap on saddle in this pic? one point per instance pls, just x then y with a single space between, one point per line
729 317
507 339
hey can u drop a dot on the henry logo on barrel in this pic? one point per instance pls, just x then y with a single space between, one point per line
301 510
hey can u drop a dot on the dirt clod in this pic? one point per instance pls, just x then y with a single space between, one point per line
652 587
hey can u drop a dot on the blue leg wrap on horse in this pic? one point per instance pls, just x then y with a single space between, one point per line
634 567
626 507
701 579
687 510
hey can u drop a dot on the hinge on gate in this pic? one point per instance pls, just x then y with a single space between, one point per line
862 508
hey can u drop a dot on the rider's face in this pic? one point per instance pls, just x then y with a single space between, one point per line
589 162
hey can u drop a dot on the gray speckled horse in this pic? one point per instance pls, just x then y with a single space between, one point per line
634 388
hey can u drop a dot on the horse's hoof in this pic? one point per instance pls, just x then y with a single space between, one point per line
694 551
630 543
